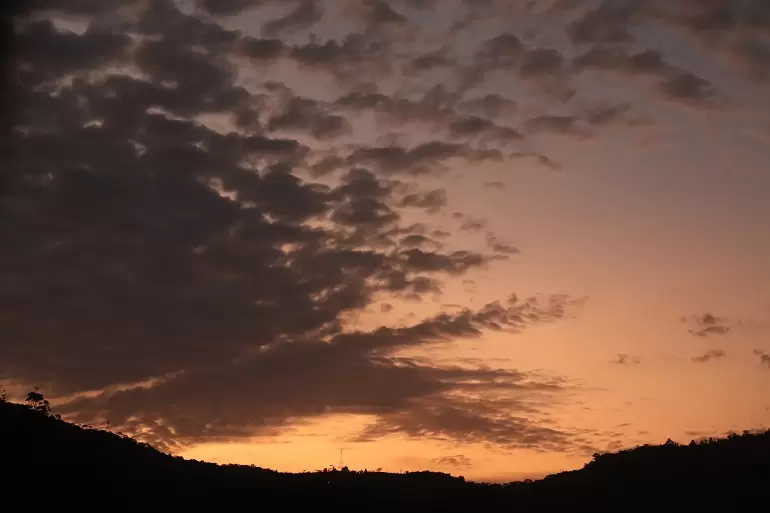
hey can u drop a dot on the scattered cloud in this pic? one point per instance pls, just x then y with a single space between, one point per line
180 237
706 325
304 15
712 354
689 89
625 359
457 461
167 172
764 358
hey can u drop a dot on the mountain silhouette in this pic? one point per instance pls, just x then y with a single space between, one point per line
45 460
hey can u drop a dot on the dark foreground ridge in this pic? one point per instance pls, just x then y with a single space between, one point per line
66 465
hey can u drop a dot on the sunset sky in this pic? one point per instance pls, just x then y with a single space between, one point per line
483 237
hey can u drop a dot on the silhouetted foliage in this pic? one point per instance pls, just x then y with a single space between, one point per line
38 402
41 452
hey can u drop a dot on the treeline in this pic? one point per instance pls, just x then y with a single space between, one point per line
87 467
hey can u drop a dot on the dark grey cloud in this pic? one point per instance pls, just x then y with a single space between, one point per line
230 7
498 246
626 359
309 116
687 88
431 201
608 115
712 354
736 31
489 105
75 7
541 62
440 111
304 15
608 23
542 160
622 60
508 52
559 125
429 62
348 59
675 84
416 240
380 14
473 225
424 158
350 373
55 53
261 50
706 325
456 460
609 32
483 130
764 358
470 421
194 280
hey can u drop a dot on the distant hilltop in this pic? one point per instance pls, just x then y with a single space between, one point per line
61 464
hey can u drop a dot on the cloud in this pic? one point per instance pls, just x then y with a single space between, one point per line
498 246
429 62
734 32
713 354
559 125
431 201
675 84
489 105
425 158
305 14
473 421
309 116
764 358
158 181
611 32
608 23
689 89
482 129
351 373
625 359
456 461
183 247
608 115
440 111
229 7
508 52
621 60
706 325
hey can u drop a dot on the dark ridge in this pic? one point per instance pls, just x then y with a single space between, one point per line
46 462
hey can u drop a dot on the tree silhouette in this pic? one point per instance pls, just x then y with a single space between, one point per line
36 401
727 474
3 394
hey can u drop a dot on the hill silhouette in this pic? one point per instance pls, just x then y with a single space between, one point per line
92 469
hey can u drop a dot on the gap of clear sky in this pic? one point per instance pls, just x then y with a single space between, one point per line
488 238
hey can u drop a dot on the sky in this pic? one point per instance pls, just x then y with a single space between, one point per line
489 237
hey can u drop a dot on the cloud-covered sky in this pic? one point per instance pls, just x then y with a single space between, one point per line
484 237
